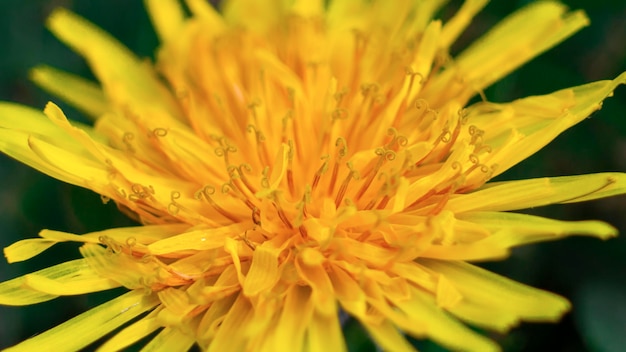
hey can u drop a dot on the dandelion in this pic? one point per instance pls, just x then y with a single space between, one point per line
293 161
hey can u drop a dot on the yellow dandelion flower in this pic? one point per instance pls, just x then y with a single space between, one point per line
293 159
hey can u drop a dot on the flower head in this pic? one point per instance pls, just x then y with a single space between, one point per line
288 162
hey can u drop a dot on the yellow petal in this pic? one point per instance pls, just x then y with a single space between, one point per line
508 45
75 168
125 79
22 127
511 229
123 269
83 281
481 250
324 334
496 293
88 327
25 119
308 8
197 240
537 120
208 14
264 272
176 307
317 278
131 334
461 19
388 337
441 327
169 340
513 195
167 17
234 325
294 319
82 94
69 278
254 15
145 234
423 62
26 249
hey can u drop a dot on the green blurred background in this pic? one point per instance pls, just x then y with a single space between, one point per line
590 272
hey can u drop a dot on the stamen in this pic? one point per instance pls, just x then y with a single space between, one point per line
104 199
397 140
344 186
342 150
140 192
159 132
173 207
245 240
232 189
127 139
281 213
207 192
237 178
318 174
120 192
256 216
383 155
301 206
477 135
223 152
290 182
262 152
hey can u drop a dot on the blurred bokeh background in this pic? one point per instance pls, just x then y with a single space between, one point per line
590 272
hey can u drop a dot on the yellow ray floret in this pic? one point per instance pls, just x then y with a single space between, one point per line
292 162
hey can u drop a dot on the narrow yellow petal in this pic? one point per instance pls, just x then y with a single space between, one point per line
319 281
481 250
494 292
517 40
264 272
22 127
145 234
511 43
69 278
440 326
538 120
167 17
76 169
197 240
26 249
254 15
295 317
84 281
513 195
86 328
324 334
82 94
388 337
234 325
169 340
131 334
429 45
308 8
125 79
176 306
511 229
26 119
459 22
20 147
